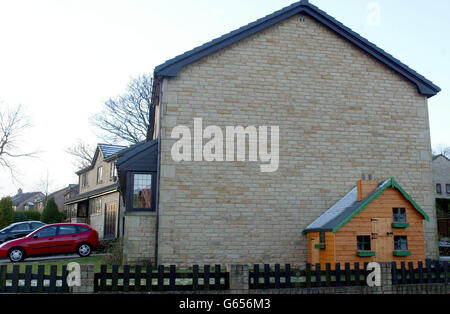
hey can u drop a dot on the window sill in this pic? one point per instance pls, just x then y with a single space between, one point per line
400 225
366 254
402 253
320 246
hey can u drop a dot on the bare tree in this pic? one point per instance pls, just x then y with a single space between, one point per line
441 149
82 152
127 117
13 123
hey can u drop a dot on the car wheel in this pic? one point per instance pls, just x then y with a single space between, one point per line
84 249
16 254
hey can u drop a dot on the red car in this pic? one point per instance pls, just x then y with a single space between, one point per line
52 239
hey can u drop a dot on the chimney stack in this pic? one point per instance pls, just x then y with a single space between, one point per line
366 187
19 191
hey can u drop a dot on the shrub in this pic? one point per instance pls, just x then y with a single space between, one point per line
51 214
19 216
114 254
6 212
32 215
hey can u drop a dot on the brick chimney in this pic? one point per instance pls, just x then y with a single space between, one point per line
366 187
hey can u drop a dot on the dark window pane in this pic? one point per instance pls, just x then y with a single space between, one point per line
438 189
47 232
322 238
363 243
142 191
447 188
399 214
401 243
21 227
63 230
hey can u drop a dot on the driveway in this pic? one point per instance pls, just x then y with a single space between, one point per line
49 258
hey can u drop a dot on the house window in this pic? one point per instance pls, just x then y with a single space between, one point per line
84 180
142 191
447 188
400 243
399 214
95 205
438 189
99 175
113 171
363 243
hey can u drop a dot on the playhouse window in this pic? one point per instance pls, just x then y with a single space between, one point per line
399 214
400 243
363 243
322 238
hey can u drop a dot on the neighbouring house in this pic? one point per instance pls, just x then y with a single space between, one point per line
58 196
98 202
441 176
343 107
25 201
375 221
71 209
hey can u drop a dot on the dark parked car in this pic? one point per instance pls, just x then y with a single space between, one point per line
19 230
52 239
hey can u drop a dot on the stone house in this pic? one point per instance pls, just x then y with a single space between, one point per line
58 196
25 201
441 179
98 202
342 106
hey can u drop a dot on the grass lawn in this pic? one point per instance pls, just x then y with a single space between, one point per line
95 260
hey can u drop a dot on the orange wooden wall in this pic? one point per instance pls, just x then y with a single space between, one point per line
361 224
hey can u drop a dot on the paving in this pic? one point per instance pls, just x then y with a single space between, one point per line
49 258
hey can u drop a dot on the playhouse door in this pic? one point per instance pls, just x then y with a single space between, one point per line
315 253
382 239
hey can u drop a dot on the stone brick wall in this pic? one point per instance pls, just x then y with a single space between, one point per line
139 237
441 174
340 112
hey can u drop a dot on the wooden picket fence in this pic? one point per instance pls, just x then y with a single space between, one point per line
341 275
410 275
310 277
30 282
146 278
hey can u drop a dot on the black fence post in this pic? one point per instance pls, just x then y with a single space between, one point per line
308 276
394 273
266 276
3 278
172 277
318 275
328 274
28 274
217 277
288 275
338 274
348 278
195 278
412 273
149 277
403 272
446 272
277 276
357 274
420 264
160 277
256 276
126 278
137 277
206 277
40 280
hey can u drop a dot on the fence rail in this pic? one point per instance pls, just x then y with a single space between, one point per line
29 282
145 278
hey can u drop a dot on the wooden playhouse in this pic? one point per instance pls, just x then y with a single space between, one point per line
375 221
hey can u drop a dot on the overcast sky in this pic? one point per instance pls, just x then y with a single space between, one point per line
62 59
